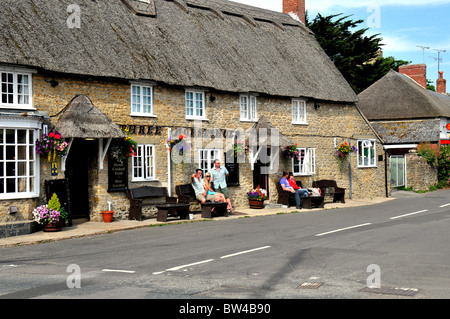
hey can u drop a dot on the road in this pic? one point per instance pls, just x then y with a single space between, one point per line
400 248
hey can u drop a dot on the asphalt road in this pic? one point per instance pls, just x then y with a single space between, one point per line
399 247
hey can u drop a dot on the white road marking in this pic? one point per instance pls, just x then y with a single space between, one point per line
341 229
118 270
445 205
245 252
414 213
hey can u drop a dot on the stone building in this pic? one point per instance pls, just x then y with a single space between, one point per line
213 71
404 113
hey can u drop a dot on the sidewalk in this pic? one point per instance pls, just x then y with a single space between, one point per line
90 228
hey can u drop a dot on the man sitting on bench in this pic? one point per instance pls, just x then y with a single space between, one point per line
300 192
201 193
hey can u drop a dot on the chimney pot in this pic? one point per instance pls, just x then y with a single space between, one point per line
441 83
297 7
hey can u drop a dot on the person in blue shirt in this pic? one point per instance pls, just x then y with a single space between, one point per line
288 188
218 175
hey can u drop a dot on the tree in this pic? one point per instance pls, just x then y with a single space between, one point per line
355 55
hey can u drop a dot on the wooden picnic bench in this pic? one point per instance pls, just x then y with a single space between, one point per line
285 197
186 195
329 187
139 194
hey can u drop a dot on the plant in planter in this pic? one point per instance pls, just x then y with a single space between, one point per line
123 148
240 148
178 146
256 198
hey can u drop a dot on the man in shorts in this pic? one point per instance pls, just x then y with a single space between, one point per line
219 174
198 184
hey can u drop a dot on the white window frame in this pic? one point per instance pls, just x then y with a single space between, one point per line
16 72
31 174
206 157
248 106
144 163
299 111
138 100
367 159
198 96
307 164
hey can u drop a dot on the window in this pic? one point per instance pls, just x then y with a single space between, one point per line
307 163
366 153
206 159
195 104
15 89
144 163
141 99
18 163
248 108
298 111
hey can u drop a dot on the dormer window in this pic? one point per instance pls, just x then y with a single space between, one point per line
15 89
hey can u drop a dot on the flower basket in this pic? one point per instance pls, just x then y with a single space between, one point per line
51 145
240 149
256 198
342 152
48 217
178 147
124 148
290 152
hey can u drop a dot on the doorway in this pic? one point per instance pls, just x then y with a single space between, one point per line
398 170
78 174
261 170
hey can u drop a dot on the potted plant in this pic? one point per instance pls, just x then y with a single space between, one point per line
256 198
124 148
51 219
108 214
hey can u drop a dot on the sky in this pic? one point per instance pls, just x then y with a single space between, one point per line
412 30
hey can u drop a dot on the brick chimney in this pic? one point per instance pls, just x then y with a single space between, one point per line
441 83
417 72
295 6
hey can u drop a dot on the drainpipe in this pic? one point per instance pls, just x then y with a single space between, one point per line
169 172
350 172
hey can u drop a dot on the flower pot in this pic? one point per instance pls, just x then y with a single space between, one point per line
256 204
53 227
108 216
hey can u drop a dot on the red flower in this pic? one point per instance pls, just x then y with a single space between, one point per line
180 137
51 134
57 136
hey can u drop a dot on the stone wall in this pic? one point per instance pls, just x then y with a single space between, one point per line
327 124
420 174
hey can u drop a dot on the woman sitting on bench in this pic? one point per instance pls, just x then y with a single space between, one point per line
219 196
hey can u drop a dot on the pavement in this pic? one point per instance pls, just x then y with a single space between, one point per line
83 228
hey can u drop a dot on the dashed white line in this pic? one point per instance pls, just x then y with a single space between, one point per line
414 213
118 270
245 252
342 229
444 205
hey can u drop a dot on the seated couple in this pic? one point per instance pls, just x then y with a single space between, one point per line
203 190
289 184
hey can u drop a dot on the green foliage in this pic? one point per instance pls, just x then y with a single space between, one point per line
443 161
55 204
356 55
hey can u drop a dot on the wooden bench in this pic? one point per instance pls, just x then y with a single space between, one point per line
285 197
186 195
329 187
313 202
137 196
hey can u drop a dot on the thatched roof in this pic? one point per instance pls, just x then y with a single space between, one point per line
396 96
264 133
81 119
215 44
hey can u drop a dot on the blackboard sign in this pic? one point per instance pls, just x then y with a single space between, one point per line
117 174
233 169
61 188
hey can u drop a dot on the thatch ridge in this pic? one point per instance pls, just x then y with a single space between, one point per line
198 48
